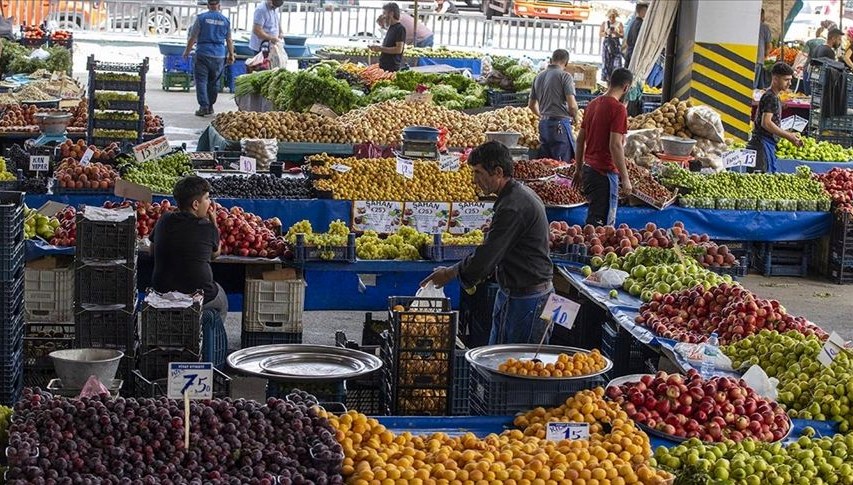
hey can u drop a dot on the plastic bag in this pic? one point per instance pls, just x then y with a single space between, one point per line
263 150
40 54
705 122
428 291
757 379
93 388
278 58
694 353
639 143
256 61
607 278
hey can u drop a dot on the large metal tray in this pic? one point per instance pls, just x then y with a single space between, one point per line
301 362
491 356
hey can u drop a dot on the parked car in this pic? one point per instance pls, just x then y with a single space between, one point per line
154 18
65 14
566 10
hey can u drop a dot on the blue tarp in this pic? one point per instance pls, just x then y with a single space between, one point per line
35 249
473 65
790 166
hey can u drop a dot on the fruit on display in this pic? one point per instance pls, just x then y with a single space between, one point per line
244 234
576 365
774 351
838 182
285 126
377 179
147 214
80 118
535 169
33 32
76 150
153 123
336 235
39 225
556 192
644 183
71 174
819 151
432 52
512 118
66 234
713 410
470 238
114 134
159 174
260 187
405 245
671 117
126 77
116 115
19 116
691 315
231 441
33 185
5 174
103 98
61 35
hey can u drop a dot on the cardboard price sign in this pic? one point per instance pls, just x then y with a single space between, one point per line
192 380
560 311
449 163
87 156
834 345
739 158
151 149
567 431
794 123
248 164
405 167
39 163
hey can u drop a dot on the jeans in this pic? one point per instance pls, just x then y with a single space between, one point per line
428 42
207 72
515 319
602 191
219 304
556 139
765 154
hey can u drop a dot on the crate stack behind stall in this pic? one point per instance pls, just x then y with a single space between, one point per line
105 282
116 102
11 296
273 303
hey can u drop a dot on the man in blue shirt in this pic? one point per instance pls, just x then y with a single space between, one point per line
266 24
212 33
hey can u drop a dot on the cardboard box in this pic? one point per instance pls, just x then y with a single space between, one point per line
585 75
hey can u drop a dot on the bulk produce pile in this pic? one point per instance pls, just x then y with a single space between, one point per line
17 59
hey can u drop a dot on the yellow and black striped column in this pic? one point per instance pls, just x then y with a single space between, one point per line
722 78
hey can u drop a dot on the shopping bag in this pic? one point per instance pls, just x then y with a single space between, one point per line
278 58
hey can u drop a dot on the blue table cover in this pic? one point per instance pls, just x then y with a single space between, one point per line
790 166
473 65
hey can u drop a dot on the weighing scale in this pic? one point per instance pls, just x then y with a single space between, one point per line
519 153
53 127
423 150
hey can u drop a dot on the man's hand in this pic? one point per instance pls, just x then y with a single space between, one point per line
625 186
794 138
274 40
229 59
577 179
375 48
440 277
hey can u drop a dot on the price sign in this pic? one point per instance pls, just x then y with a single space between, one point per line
468 216
382 216
567 431
340 167
39 163
561 311
794 123
834 345
191 379
787 123
405 167
449 163
427 217
248 164
87 156
739 158
151 149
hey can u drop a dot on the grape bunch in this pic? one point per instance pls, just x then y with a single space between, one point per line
260 187
160 174
335 236
472 238
5 175
405 245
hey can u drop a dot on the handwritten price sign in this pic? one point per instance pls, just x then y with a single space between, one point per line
739 158
406 167
191 379
561 311
567 431
39 163
87 157
151 149
248 164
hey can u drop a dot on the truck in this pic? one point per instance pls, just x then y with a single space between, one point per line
565 10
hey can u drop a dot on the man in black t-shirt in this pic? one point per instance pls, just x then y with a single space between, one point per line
184 242
766 130
391 50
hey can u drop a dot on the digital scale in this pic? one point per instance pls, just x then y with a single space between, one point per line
519 153
424 150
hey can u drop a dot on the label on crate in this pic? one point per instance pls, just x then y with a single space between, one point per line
248 164
468 216
39 163
833 346
567 431
739 158
87 156
191 379
405 167
561 311
428 217
151 149
382 216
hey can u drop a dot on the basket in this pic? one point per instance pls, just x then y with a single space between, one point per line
103 240
49 294
105 328
171 327
273 306
105 284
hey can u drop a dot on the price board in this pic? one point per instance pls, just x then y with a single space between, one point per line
248 164
340 167
567 431
39 163
834 345
427 217
382 216
191 379
794 123
405 167
151 149
449 163
561 311
468 216
739 158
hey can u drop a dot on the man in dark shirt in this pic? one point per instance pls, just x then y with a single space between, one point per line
766 130
552 98
184 242
391 50
833 42
516 248
634 31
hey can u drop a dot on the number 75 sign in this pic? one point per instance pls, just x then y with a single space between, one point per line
193 379
560 311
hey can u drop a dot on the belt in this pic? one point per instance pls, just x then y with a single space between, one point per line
555 118
530 290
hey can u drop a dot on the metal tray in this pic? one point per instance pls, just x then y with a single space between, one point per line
55 387
491 356
314 362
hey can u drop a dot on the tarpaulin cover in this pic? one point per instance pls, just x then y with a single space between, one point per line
35 249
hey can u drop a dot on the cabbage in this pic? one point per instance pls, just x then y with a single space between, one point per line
525 81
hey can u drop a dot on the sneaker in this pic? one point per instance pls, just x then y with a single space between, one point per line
201 112
210 110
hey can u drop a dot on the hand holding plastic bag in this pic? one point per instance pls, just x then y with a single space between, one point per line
427 292
278 57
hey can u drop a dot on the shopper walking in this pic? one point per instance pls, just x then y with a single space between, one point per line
766 131
515 249
611 33
634 31
211 34
552 98
266 24
600 168
764 47
391 50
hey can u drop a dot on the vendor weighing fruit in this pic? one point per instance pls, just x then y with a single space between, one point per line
516 249
184 242
766 131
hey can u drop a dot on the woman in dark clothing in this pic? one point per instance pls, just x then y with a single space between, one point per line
611 34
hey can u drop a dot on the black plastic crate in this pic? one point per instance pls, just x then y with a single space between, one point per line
154 363
106 241
583 97
444 252
131 86
501 98
11 298
333 392
113 124
628 354
587 330
496 395
40 339
370 333
422 324
12 263
95 65
461 405
171 327
38 377
304 253
105 328
105 283
739 270
154 388
840 274
11 336
417 383
790 258
838 123
214 348
252 339
10 391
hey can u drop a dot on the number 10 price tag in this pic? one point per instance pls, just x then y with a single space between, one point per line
560 311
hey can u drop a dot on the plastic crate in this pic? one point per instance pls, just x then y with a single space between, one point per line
738 271
177 63
40 339
496 395
783 258
110 124
105 328
838 123
583 97
105 284
34 43
106 241
123 86
252 339
67 43
329 253
154 388
214 347
844 140
154 363
425 324
95 65
500 98
11 388
49 294
11 300
461 405
372 330
417 383
12 339
273 306
12 263
841 275
627 353
171 327
181 80
449 253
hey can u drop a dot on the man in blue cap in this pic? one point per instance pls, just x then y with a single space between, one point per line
212 33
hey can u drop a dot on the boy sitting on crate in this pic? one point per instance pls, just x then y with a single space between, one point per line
184 242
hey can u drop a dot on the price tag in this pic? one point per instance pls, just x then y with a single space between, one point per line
561 311
707 170
739 158
382 216
567 431
151 149
340 167
248 164
834 345
87 156
427 217
39 163
800 124
449 163
468 216
787 124
191 379
406 167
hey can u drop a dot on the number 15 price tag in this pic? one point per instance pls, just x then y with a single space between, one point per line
567 431
560 311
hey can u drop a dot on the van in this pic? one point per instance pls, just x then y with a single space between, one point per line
66 14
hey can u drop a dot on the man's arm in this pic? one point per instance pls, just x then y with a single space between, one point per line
771 127
193 39
229 43
397 49
533 105
573 105
577 179
258 30
216 240
617 152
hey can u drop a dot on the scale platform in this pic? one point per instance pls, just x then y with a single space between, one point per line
48 139
420 149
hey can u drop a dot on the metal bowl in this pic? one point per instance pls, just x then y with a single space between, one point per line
490 357
74 366
53 123
679 147
508 138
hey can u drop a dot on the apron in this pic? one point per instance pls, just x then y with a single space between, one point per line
765 147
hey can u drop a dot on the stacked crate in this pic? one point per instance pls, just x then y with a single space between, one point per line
11 296
840 257
105 282
272 312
